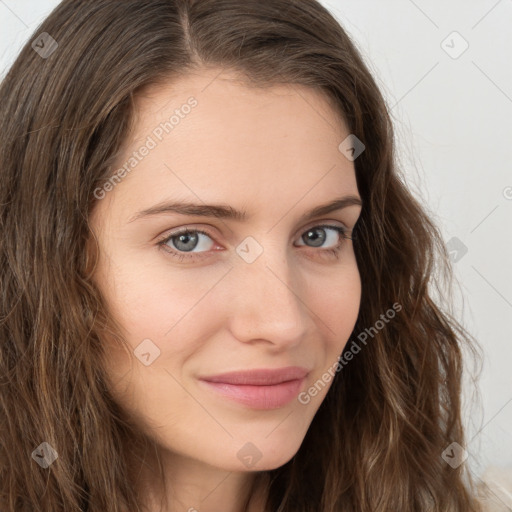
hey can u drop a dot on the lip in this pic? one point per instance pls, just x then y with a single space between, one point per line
260 377
259 389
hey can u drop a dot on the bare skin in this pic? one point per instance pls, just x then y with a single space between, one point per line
273 153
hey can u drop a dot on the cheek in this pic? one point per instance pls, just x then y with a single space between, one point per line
336 304
172 307
161 314
150 297
335 298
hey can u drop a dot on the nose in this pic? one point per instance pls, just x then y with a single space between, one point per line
267 301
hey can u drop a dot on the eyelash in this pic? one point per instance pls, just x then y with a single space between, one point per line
162 243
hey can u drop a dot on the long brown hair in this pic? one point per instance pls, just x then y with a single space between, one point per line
66 105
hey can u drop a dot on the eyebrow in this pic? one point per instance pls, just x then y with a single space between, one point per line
228 212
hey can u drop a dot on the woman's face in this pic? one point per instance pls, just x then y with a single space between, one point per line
263 292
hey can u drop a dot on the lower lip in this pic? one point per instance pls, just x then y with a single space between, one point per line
259 397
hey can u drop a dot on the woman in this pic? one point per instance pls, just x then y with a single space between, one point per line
259 372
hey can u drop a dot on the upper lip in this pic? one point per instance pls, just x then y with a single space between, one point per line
260 377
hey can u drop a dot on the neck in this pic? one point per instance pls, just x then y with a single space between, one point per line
193 486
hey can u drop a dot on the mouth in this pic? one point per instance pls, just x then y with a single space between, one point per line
258 389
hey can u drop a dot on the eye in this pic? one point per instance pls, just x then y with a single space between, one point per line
184 241
312 234
183 244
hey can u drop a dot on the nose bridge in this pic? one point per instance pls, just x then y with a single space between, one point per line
268 301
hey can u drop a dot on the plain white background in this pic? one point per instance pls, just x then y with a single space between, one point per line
452 108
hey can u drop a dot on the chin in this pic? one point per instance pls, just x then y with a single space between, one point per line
260 454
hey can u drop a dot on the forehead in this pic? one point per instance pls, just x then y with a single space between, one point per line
225 104
218 140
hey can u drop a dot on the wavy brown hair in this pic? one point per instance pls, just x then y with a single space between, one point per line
376 441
